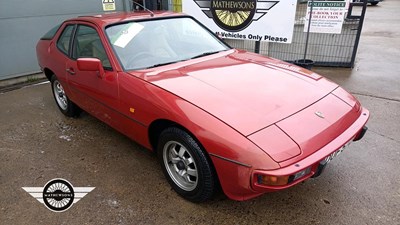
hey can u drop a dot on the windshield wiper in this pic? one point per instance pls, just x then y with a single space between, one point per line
162 64
197 56
205 54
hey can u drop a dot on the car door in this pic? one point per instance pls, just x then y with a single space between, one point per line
95 93
59 50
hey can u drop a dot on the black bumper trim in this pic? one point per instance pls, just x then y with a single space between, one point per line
361 133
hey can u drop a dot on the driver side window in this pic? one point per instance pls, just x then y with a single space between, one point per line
88 44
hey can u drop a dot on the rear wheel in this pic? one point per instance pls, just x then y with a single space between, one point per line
185 165
66 106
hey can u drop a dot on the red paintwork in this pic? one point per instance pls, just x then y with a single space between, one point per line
242 107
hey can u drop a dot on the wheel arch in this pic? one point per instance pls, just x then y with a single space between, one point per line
157 126
48 73
155 130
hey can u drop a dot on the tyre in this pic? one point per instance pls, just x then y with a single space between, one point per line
374 3
66 106
186 166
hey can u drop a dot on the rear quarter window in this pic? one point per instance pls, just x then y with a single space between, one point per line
50 34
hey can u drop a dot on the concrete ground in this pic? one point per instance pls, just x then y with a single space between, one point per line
362 186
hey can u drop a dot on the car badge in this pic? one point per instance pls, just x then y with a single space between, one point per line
319 114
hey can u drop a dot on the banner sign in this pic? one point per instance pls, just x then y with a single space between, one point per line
259 20
327 16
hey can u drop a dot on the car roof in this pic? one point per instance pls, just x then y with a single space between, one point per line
117 17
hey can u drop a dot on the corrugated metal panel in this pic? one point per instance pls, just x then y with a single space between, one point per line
23 22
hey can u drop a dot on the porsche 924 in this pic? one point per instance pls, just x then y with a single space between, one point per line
215 116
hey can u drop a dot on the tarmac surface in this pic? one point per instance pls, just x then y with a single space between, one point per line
361 186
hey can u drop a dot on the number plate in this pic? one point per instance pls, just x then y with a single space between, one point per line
336 153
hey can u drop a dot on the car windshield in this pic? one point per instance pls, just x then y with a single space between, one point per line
152 43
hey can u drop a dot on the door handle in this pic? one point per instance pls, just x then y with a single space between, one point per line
70 71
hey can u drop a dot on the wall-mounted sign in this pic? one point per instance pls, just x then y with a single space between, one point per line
108 5
260 20
327 16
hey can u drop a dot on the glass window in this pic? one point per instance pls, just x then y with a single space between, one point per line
88 45
50 34
65 38
153 43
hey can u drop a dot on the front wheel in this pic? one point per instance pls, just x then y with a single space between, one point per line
66 106
185 165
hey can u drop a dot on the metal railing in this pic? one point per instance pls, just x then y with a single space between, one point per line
336 50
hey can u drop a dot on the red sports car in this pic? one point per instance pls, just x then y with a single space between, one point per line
214 115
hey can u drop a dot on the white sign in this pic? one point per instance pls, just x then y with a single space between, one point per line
327 17
259 20
108 5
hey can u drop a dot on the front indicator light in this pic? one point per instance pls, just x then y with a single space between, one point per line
272 180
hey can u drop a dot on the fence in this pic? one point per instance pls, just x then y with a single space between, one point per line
337 50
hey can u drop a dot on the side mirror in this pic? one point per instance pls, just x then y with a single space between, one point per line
91 64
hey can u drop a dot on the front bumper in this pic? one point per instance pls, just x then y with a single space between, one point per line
312 163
